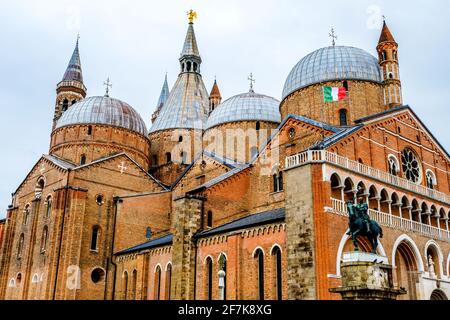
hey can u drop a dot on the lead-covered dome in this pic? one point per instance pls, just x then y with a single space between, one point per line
245 107
331 64
103 110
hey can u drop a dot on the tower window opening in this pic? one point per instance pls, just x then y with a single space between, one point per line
209 219
168 157
258 126
65 105
180 139
195 67
188 65
89 131
83 159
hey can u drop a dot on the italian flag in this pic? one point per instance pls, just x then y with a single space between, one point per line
332 94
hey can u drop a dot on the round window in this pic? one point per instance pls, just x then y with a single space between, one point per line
97 275
411 166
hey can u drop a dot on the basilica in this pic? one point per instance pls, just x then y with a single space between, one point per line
241 198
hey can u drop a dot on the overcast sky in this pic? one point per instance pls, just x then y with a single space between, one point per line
136 42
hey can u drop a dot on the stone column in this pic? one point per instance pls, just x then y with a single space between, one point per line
187 215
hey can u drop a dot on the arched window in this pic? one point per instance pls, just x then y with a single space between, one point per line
431 179
223 267
180 139
182 67
343 117
133 284
395 55
209 278
276 254
125 285
209 219
157 287
44 239
49 207
345 84
393 165
39 188
20 246
83 159
168 157
65 105
188 66
168 280
26 214
278 182
383 56
258 126
259 256
94 238
195 67
89 130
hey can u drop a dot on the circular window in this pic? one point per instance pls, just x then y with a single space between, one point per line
411 166
99 200
97 275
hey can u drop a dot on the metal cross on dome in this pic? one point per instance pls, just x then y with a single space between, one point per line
252 81
108 85
333 37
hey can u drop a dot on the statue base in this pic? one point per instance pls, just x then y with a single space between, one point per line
366 276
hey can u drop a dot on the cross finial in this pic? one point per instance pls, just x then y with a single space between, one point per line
384 18
192 15
252 81
333 37
107 85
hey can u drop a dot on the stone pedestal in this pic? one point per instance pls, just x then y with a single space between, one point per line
366 276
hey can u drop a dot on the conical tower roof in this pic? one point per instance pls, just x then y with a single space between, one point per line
190 47
188 102
386 35
73 71
164 94
215 92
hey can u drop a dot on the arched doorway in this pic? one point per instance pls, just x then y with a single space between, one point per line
406 273
438 295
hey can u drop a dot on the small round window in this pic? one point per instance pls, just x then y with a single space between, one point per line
411 166
97 275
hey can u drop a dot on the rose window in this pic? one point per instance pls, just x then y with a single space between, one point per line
411 166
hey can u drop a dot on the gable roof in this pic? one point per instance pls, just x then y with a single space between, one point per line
230 164
158 242
246 222
397 110
122 154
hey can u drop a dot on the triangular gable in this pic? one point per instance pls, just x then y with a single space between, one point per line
56 162
401 110
328 129
222 161
114 157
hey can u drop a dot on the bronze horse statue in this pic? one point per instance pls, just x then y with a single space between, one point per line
361 225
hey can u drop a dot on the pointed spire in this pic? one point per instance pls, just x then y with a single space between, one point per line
164 94
215 92
190 47
386 35
73 71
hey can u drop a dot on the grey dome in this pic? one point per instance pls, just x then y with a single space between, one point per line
103 110
244 107
332 63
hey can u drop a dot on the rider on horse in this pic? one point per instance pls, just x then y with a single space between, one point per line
361 210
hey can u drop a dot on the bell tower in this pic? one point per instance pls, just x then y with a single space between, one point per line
388 59
215 97
71 88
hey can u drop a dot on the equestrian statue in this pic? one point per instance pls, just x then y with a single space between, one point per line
362 226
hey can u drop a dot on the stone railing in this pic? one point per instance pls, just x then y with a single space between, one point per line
322 156
387 220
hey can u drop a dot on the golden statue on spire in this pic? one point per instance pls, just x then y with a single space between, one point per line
192 15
